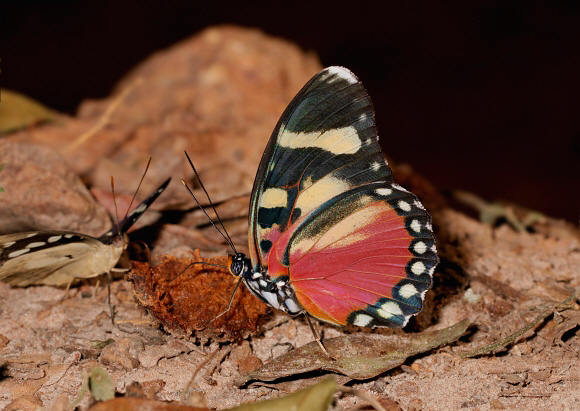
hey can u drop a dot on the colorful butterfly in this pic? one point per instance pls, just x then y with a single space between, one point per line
58 257
330 233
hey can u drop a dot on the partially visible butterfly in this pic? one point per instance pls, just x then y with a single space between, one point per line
58 257
330 233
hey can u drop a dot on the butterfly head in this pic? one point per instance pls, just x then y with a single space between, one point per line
120 240
239 264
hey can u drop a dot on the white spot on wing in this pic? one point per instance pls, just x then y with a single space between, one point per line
362 320
418 268
140 209
31 235
36 244
408 291
8 244
384 191
375 166
416 226
54 238
68 236
389 309
403 205
18 252
420 247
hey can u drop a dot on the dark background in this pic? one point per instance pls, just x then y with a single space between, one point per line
482 96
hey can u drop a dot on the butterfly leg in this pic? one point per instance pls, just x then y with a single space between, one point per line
120 270
229 303
66 291
316 337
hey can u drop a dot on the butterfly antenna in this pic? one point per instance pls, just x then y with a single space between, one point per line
229 240
114 199
229 303
138 187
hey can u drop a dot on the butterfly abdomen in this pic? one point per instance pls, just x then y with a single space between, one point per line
276 292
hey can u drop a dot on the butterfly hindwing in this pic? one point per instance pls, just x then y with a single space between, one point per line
325 213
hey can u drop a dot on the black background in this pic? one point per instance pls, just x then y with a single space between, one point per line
482 96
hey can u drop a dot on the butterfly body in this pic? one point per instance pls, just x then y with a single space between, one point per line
277 293
331 234
57 257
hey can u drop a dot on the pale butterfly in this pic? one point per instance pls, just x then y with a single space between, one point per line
58 257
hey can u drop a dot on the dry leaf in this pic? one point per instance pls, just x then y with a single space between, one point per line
358 356
18 111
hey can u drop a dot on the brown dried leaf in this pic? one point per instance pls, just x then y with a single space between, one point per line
185 298
358 356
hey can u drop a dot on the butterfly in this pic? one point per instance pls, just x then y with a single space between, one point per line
330 233
58 257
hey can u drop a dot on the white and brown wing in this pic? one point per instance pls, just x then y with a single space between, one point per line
54 257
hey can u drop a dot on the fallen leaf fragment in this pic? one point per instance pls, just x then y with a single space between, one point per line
18 111
315 398
358 356
101 384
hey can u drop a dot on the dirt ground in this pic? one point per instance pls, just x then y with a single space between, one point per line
501 272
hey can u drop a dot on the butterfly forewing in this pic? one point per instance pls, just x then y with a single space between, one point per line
51 257
126 223
325 213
